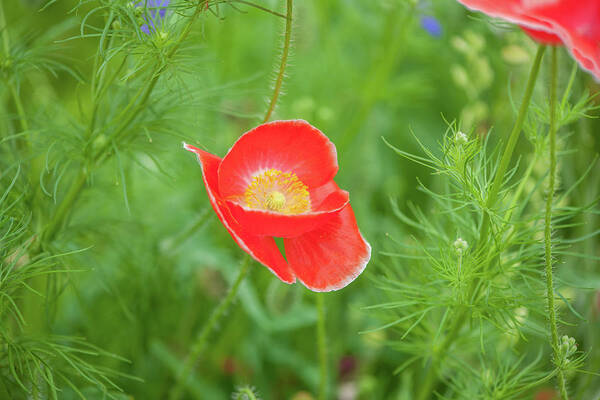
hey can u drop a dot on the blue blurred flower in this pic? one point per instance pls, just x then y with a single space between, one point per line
431 25
157 9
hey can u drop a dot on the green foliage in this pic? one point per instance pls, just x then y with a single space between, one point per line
454 295
112 260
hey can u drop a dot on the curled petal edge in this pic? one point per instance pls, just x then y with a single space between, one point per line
262 249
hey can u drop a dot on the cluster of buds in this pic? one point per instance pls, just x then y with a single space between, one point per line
567 347
460 245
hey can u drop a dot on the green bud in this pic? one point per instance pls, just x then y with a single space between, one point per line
460 245
99 142
567 347
460 138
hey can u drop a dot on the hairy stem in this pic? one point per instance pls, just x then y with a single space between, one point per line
548 231
201 339
510 145
322 343
284 56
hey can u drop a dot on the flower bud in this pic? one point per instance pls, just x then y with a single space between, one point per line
567 346
460 138
460 245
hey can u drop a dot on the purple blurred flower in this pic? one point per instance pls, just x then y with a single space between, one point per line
156 11
347 366
431 25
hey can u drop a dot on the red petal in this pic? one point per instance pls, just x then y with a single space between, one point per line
288 146
262 249
261 222
575 23
326 196
542 37
331 256
520 12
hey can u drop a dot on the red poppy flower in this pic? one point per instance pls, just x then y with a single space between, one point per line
277 181
574 23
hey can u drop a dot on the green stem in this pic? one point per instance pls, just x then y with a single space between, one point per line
4 28
64 207
13 90
201 340
430 380
548 232
567 93
284 56
517 196
104 150
97 97
322 343
97 85
510 145
19 107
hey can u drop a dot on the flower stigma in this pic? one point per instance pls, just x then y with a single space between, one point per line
278 191
275 201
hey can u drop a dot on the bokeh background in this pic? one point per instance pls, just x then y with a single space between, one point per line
157 260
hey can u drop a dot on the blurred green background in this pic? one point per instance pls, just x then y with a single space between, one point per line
157 259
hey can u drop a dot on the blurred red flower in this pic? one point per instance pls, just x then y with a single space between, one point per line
277 181
574 23
546 394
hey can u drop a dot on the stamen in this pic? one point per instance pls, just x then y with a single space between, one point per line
274 190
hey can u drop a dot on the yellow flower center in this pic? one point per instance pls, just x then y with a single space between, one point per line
275 201
278 191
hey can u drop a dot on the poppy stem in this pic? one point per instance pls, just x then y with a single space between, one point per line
284 56
201 339
322 343
510 145
548 233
